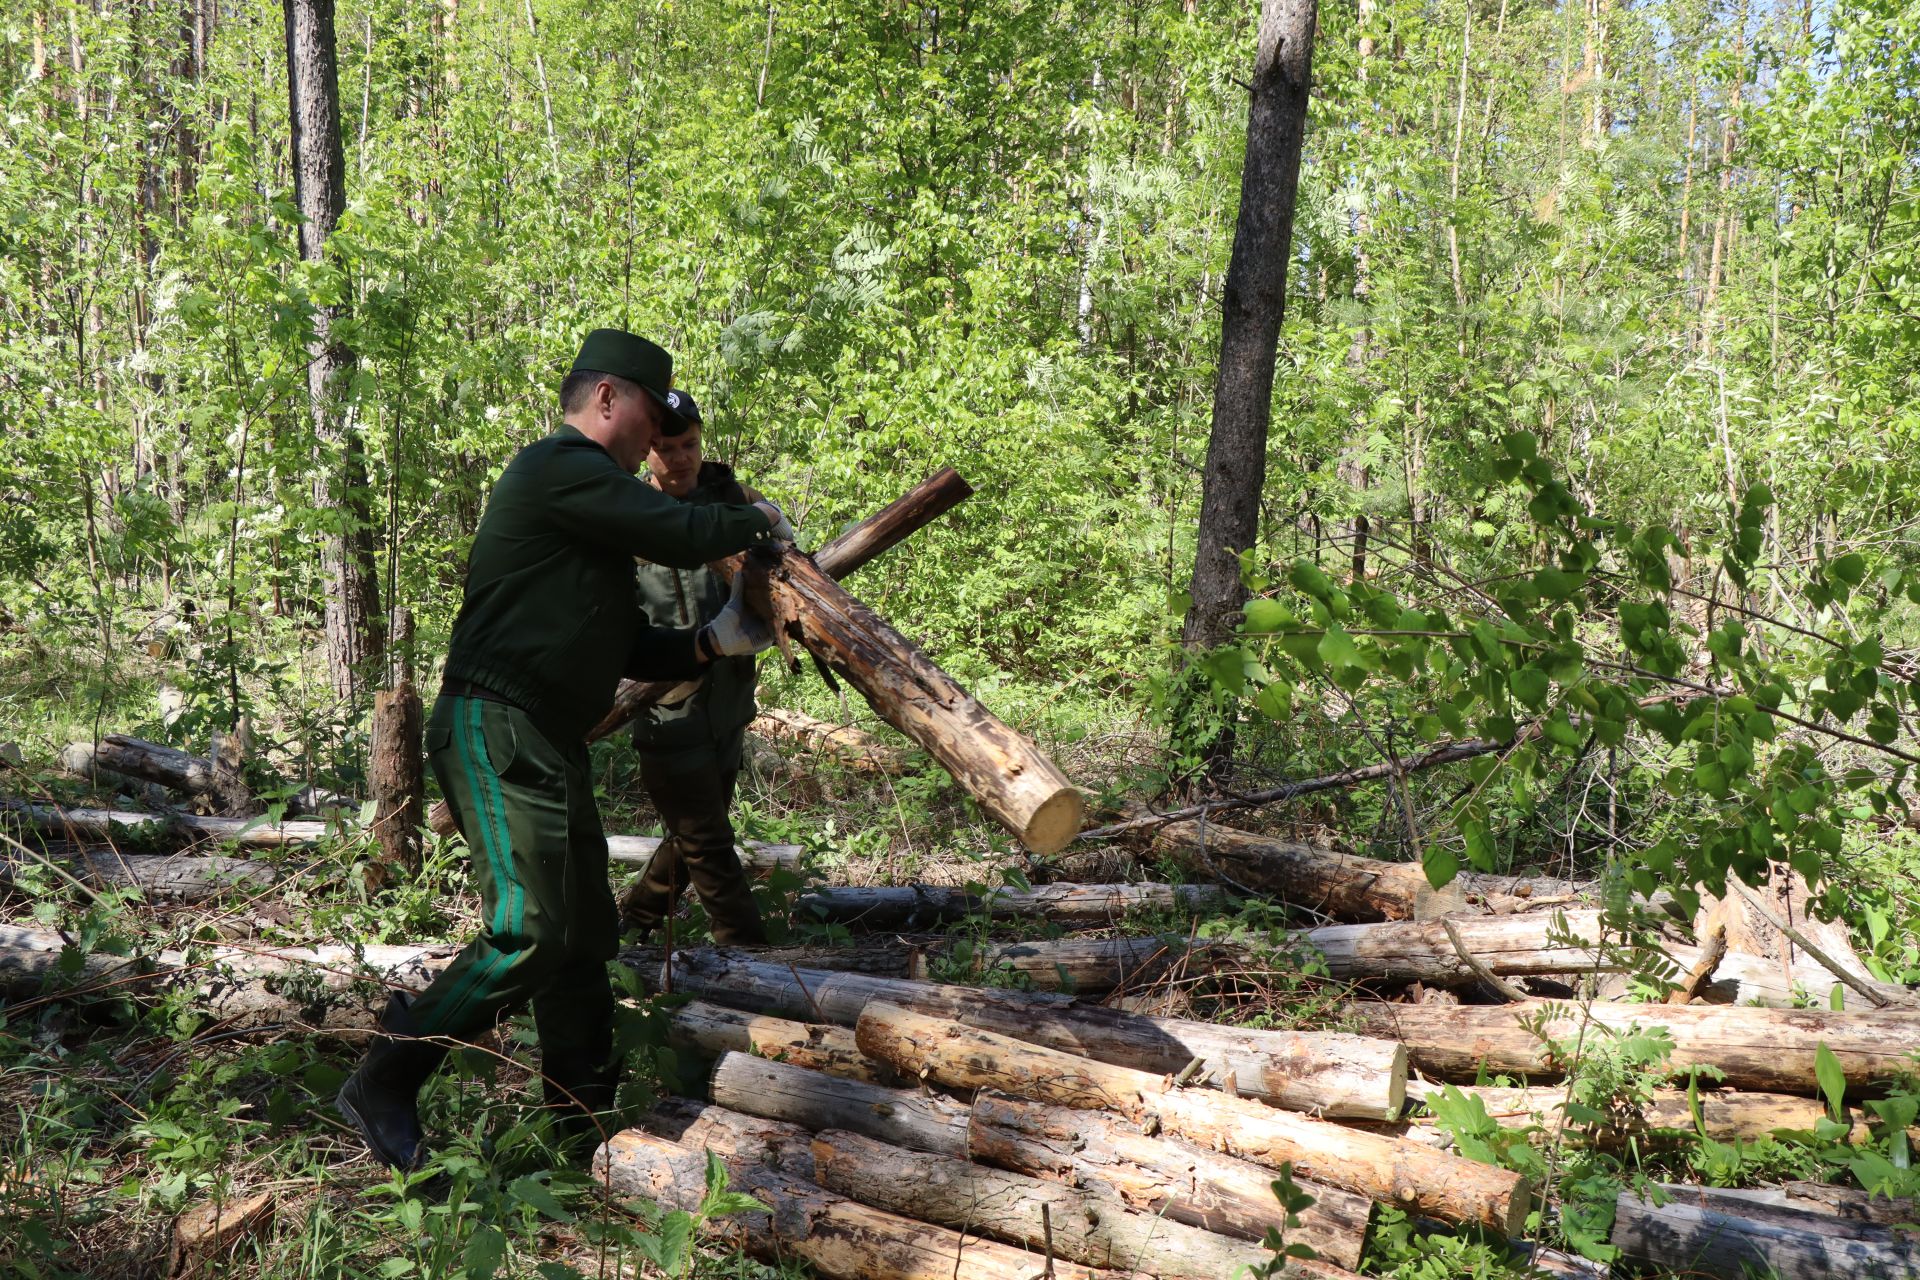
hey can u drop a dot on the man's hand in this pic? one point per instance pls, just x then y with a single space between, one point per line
735 632
782 527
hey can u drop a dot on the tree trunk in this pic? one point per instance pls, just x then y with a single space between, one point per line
158 877
1327 1072
1392 1170
1696 1233
1186 1183
193 776
782 1091
1667 1117
1349 886
1080 906
1013 782
1022 1210
1253 305
340 480
711 1030
1767 1049
732 1135
396 778
920 506
842 1240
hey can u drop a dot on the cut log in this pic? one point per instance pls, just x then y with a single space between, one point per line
732 1135
212 1227
171 767
1012 781
783 1091
1725 1115
710 1030
924 906
842 1239
159 877
1389 1169
1009 1206
1765 1049
1184 1182
1348 886
853 747
917 508
397 780
1329 1072
1696 1233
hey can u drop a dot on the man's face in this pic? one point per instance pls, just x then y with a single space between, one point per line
632 422
674 462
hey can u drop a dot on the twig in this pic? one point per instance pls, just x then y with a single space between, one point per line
811 1003
1710 957
1046 1232
1880 1000
1479 967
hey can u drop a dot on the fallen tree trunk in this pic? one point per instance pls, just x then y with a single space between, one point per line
783 1091
1389 1169
1012 781
840 1238
1765 1049
171 767
1329 1072
711 1030
1010 1206
855 748
1697 1233
1186 1183
257 833
1348 886
914 510
1724 1115
923 906
158 876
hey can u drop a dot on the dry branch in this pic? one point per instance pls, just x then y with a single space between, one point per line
853 747
923 906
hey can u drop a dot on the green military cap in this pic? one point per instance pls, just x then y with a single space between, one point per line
643 363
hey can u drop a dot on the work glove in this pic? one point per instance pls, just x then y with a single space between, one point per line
782 530
735 631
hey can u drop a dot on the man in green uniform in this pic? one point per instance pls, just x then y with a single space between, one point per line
547 627
690 750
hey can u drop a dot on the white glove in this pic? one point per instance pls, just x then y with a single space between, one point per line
782 527
734 631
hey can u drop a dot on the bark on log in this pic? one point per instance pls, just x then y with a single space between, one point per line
1388 1169
914 510
732 1135
1008 1206
396 778
711 1030
1327 1072
1012 781
1186 1183
1765 1049
1695 1233
783 1091
841 1239
1347 886
923 906
853 747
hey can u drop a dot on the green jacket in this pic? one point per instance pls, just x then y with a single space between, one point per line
549 620
707 724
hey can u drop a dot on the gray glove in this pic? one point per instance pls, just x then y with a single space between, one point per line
735 632
782 530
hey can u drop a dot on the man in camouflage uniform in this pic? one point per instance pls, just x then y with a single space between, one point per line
690 750
547 626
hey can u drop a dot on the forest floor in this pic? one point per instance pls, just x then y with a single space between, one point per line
127 1116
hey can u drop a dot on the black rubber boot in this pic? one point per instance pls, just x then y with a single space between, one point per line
579 1085
381 1099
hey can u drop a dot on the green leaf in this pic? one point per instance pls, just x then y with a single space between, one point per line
1530 685
486 1250
1338 651
1441 865
1832 1078
1850 568
1267 615
1275 701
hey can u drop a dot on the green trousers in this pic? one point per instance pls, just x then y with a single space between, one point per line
549 925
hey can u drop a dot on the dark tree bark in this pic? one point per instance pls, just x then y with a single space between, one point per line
1254 304
339 479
